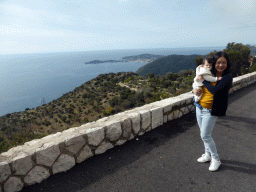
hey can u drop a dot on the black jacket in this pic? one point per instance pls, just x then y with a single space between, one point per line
220 94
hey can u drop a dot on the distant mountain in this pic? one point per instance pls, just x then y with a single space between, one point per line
136 58
170 63
143 56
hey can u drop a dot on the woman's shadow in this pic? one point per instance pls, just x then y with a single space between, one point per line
238 166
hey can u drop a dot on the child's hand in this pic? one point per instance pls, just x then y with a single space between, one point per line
219 78
197 91
200 78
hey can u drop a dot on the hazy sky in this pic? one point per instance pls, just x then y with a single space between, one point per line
28 26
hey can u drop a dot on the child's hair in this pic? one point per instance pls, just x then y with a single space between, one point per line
209 59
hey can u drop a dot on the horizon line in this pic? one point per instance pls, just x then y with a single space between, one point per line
26 53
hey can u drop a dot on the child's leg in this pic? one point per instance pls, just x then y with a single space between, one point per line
197 98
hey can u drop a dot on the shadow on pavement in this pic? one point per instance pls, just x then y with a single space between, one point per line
241 93
238 166
239 119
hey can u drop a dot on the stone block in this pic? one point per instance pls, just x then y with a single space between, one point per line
191 107
36 175
84 154
180 114
145 119
182 109
131 137
165 118
64 163
167 108
120 142
176 114
21 164
13 184
74 143
103 148
114 131
186 110
148 129
11 153
141 133
189 99
127 128
95 135
157 117
5 171
135 120
170 116
47 154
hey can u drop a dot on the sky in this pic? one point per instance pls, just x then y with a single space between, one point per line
29 26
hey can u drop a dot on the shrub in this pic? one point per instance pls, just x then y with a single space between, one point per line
183 85
252 68
127 104
108 110
180 79
177 84
167 83
114 101
172 76
172 90
64 118
86 120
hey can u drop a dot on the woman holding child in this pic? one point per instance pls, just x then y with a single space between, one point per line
212 104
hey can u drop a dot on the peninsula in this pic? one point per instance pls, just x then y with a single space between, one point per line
137 58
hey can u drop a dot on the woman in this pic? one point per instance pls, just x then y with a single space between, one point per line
214 103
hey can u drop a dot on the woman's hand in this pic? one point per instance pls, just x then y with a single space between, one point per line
197 92
200 78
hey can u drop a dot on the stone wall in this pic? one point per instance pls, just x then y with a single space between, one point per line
38 159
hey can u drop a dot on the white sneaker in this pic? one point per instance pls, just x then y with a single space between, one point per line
204 158
214 165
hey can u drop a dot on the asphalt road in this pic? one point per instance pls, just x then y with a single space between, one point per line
165 159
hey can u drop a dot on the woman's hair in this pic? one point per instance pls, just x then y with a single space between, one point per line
215 58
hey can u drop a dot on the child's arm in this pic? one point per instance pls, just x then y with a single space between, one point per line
210 78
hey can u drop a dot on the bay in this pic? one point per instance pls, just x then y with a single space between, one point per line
27 78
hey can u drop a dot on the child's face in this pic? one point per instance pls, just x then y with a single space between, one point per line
207 65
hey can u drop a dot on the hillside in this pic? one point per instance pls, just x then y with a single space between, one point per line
104 95
171 63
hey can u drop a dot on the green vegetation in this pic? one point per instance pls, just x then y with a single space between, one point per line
171 63
105 95
239 56
253 50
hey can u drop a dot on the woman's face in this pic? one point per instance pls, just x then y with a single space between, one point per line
221 64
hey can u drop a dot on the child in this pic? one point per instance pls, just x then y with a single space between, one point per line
205 71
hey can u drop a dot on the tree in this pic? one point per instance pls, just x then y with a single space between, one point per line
199 60
172 76
239 56
253 66
211 54
150 75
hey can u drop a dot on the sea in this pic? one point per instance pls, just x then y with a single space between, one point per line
26 80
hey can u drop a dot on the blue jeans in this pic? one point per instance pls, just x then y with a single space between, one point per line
206 123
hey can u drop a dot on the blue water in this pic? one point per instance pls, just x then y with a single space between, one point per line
26 78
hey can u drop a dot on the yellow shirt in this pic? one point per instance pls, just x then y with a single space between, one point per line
207 97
